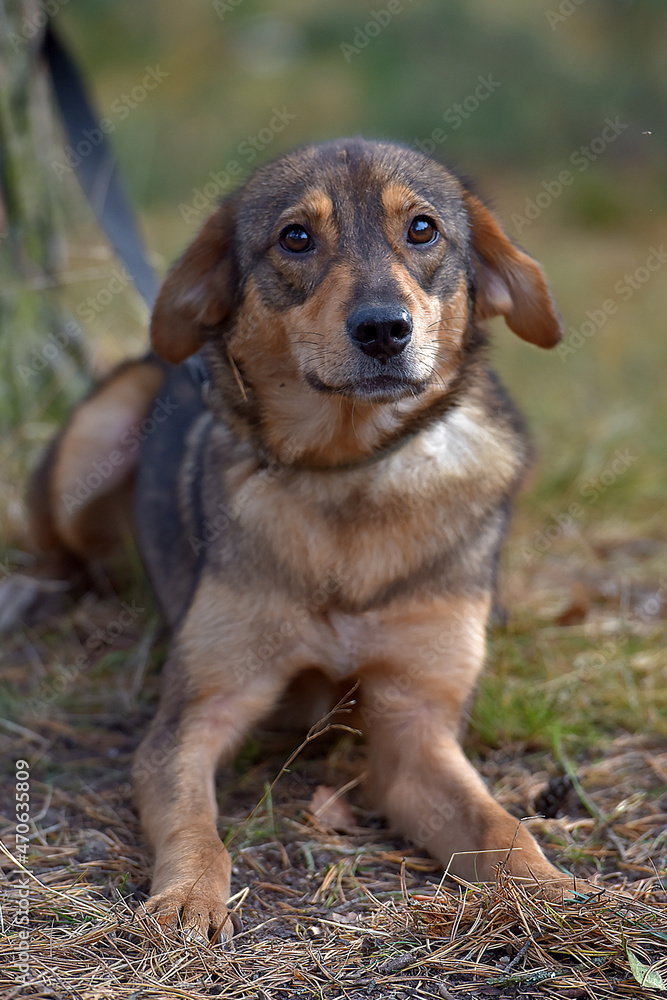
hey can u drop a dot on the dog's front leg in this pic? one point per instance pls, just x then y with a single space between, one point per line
419 774
204 713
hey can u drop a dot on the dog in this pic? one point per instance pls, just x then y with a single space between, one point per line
320 496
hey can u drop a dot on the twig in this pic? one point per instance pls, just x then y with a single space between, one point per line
519 955
400 962
314 733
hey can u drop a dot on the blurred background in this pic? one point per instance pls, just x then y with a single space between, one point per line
556 108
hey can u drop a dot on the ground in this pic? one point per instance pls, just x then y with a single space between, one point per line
569 723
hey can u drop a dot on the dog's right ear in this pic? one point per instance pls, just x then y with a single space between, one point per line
198 292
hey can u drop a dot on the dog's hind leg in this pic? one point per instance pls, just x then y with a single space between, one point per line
80 495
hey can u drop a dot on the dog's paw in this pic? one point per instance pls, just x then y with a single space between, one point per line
558 887
195 911
581 890
561 889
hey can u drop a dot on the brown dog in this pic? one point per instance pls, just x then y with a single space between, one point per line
327 490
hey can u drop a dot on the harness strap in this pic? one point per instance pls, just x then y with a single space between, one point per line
97 170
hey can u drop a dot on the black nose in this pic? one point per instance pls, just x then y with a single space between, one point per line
382 332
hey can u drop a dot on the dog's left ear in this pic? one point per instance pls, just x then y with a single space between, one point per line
509 282
198 293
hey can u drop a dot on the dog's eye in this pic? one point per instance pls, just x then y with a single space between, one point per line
422 230
295 239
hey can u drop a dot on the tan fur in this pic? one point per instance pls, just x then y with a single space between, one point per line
297 425
434 471
200 286
317 207
423 782
93 434
399 200
510 283
360 521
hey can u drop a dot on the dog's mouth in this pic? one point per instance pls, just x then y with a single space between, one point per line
374 388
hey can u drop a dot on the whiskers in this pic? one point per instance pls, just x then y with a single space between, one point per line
444 350
445 327
323 351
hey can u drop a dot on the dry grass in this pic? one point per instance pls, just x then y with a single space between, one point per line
328 915
577 669
430 942
361 915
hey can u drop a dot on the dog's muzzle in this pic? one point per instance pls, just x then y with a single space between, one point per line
381 332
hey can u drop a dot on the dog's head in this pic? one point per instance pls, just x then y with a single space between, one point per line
346 276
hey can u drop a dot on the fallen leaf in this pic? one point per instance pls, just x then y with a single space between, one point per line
578 608
645 975
332 810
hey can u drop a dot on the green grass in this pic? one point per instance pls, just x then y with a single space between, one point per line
541 684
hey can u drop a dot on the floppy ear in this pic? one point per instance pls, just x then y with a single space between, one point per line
198 292
509 282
